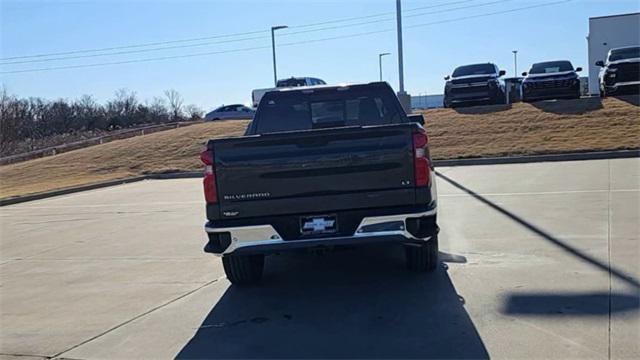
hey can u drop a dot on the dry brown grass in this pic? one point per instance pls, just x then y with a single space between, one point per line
172 150
480 131
540 128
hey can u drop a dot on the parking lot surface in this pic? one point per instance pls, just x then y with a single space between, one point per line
538 261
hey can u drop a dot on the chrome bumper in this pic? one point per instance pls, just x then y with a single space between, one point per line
625 83
254 238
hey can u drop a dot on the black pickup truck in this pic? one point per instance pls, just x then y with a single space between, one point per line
551 80
474 84
321 166
620 74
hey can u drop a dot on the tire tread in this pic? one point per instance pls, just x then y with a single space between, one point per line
422 258
243 269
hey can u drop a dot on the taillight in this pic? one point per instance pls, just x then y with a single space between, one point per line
209 181
421 158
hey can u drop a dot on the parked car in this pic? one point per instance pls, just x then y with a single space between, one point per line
257 94
621 71
474 84
551 80
318 168
236 111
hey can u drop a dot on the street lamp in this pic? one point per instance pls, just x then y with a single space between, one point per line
515 62
380 62
405 99
273 48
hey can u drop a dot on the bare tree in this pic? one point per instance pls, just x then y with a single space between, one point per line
158 110
125 102
8 123
89 113
193 112
30 123
175 104
121 110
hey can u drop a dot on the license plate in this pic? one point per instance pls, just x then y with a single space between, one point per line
324 224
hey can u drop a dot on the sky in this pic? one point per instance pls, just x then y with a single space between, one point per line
222 68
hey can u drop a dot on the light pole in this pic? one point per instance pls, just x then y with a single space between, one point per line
405 99
380 62
273 47
399 33
515 62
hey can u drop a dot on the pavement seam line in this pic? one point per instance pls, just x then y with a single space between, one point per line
138 317
24 355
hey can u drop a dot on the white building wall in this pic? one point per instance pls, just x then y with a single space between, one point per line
608 32
427 101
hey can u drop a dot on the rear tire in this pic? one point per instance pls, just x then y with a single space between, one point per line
422 258
243 269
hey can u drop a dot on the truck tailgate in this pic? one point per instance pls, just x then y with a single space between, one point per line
315 171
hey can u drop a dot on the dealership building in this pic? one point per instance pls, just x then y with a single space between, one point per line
605 33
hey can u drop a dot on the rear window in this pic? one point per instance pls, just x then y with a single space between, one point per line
289 111
476 69
551 67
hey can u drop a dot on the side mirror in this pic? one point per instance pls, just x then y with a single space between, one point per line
524 73
502 73
600 63
418 118
578 69
447 77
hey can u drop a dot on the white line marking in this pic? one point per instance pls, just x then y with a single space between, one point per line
147 204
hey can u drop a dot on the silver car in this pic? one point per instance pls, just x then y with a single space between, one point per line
236 111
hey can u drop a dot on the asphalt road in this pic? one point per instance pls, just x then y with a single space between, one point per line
539 261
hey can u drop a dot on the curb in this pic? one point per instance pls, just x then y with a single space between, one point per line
175 175
599 155
46 194
98 185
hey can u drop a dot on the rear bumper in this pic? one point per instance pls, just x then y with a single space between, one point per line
260 239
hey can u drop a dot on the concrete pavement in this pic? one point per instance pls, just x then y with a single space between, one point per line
539 261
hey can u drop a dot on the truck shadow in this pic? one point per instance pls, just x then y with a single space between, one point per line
570 304
569 107
481 109
346 304
633 99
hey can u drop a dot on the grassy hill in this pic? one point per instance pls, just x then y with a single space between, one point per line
541 128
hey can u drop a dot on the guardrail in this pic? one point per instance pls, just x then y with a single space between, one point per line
53 150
